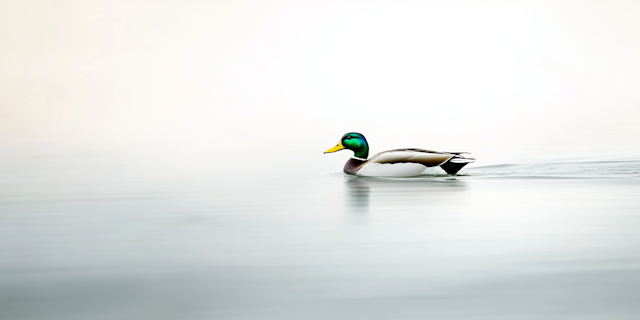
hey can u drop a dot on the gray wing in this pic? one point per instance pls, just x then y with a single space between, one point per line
427 158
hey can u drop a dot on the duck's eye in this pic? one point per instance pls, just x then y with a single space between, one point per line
348 138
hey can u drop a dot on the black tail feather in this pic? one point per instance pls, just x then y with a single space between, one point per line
452 168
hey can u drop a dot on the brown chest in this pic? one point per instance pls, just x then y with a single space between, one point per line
353 165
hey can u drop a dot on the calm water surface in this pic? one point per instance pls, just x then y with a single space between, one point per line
98 237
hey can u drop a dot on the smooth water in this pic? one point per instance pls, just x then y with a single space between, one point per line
99 237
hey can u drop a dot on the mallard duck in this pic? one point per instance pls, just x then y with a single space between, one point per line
398 162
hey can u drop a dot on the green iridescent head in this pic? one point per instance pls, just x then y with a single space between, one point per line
355 142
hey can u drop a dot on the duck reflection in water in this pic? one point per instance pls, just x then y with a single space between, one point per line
357 194
400 192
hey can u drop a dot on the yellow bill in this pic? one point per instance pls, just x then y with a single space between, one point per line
338 147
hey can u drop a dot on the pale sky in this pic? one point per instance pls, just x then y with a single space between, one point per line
492 77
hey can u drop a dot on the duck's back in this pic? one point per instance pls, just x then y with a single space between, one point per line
427 158
404 162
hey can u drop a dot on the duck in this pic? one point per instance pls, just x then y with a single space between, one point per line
397 162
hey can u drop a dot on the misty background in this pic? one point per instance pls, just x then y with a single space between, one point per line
505 80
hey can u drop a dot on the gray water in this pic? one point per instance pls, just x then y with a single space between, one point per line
119 237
